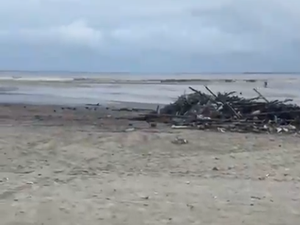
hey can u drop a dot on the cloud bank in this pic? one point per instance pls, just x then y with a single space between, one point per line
150 36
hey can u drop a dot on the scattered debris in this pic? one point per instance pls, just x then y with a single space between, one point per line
179 141
145 197
190 206
221 130
130 129
29 182
215 168
153 125
255 197
180 127
4 179
230 167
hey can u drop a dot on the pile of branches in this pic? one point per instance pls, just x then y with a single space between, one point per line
229 111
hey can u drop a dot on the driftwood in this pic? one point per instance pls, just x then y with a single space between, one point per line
199 110
260 95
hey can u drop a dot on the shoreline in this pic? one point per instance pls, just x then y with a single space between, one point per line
112 105
71 115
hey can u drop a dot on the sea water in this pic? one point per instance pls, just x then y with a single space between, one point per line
87 88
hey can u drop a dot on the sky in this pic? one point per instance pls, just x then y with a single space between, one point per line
147 36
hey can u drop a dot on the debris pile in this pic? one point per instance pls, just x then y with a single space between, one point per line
229 112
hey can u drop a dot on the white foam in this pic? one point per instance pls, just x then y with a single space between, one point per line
35 78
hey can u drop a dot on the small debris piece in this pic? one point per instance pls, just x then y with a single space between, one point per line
255 197
153 125
125 110
179 141
180 127
221 130
190 206
130 129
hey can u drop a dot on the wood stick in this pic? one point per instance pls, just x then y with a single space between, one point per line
225 103
260 95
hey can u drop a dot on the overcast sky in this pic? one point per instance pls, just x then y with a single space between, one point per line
150 35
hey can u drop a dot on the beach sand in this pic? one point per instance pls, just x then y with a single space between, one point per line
69 166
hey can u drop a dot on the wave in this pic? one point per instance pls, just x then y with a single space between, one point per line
99 79
113 80
35 78
144 79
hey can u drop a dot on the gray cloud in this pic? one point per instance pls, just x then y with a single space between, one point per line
147 36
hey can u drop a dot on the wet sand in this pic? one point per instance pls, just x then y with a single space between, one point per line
60 165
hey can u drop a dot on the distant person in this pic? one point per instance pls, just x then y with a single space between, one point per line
266 84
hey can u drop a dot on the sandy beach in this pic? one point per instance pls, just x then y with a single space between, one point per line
63 162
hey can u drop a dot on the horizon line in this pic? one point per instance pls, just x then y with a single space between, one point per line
127 72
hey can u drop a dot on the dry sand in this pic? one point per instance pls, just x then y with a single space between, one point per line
65 166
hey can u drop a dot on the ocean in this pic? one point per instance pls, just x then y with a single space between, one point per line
91 88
